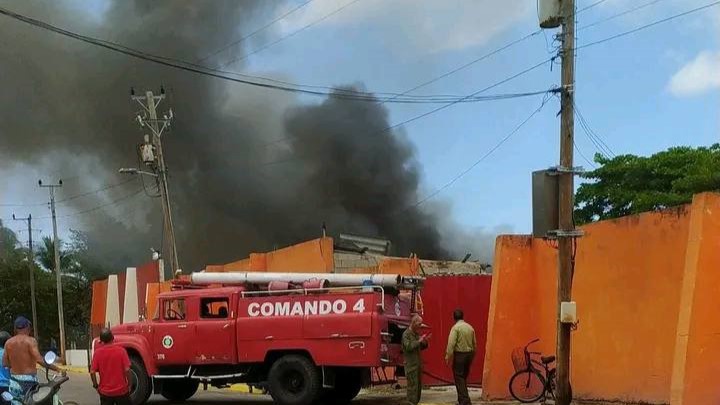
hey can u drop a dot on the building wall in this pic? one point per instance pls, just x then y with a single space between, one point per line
518 313
99 303
314 256
627 287
109 303
697 342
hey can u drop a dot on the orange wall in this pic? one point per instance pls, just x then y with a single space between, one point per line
517 314
315 256
626 285
153 289
99 302
398 265
697 348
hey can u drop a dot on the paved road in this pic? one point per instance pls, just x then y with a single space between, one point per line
79 389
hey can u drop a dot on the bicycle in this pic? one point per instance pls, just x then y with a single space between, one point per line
533 380
43 393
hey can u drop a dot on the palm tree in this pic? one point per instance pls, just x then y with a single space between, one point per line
46 255
10 248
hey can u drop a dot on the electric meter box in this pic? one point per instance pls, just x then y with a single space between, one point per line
568 312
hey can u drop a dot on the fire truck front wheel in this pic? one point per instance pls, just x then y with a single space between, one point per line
140 383
294 380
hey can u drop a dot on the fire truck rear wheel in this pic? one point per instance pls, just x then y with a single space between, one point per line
294 380
348 383
179 390
140 384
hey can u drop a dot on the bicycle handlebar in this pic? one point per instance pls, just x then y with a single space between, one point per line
534 341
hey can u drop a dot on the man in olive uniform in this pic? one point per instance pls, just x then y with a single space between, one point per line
412 344
460 354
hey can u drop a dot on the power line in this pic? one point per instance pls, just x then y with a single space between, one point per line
435 110
602 146
264 27
481 159
225 75
588 161
597 145
597 3
448 104
618 15
292 34
472 62
652 24
99 207
74 197
339 93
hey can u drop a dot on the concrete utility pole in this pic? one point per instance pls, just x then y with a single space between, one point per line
31 270
150 102
566 232
58 270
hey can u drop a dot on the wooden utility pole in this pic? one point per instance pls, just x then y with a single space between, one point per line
566 232
31 270
153 157
162 177
58 270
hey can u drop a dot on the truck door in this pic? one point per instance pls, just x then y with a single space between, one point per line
215 331
173 335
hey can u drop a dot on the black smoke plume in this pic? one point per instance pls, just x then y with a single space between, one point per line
65 105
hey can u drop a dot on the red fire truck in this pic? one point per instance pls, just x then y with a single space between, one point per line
305 338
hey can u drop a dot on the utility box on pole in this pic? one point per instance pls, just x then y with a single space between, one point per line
549 13
545 204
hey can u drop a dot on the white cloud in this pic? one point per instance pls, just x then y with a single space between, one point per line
700 75
429 25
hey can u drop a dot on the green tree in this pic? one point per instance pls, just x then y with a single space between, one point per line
46 255
78 271
630 184
10 250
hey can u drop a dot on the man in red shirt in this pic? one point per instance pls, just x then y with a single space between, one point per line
113 365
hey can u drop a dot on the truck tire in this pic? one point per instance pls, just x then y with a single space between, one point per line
348 383
140 384
179 390
294 380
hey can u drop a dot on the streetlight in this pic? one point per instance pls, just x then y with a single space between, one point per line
132 170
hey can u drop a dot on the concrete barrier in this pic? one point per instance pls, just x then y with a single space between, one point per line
76 358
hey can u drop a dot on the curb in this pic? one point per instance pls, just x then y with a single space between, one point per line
246 389
75 370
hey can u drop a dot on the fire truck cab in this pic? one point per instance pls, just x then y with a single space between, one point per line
304 342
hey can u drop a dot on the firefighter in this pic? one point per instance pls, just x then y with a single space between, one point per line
412 345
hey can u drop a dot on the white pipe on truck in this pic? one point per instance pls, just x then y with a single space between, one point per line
336 280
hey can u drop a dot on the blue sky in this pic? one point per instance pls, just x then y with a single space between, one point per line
642 93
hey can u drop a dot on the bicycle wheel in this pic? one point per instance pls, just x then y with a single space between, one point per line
527 386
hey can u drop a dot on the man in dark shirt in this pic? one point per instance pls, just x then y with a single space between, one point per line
113 365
